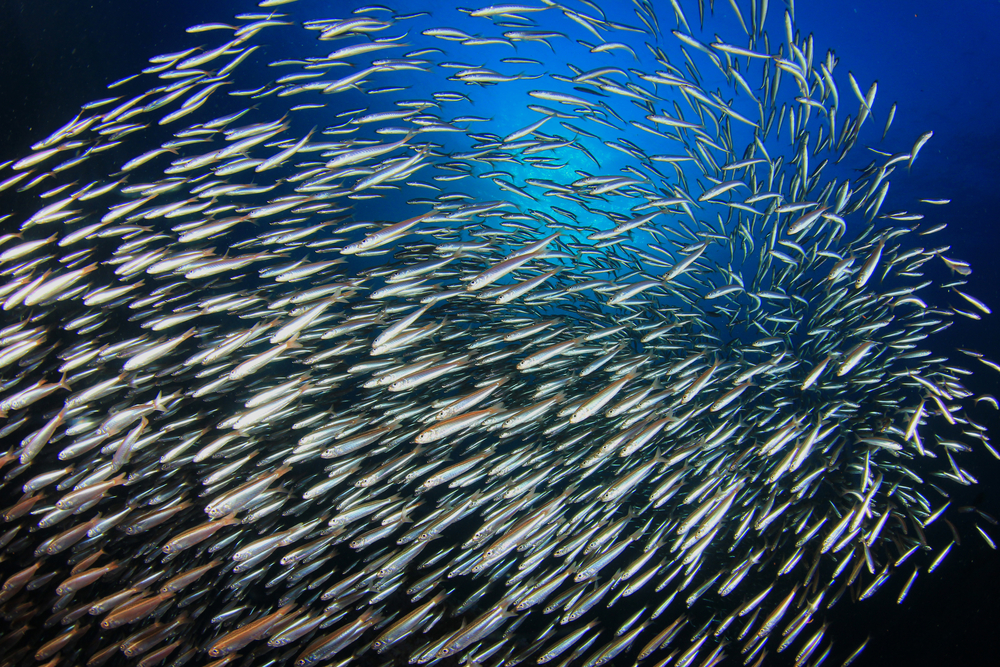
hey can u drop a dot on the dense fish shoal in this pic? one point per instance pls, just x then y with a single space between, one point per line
399 337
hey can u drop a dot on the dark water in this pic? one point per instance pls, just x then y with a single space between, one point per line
935 60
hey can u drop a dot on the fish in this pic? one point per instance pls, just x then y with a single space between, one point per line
284 381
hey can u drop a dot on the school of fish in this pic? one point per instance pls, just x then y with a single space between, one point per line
303 366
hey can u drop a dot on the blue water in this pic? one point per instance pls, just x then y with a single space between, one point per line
936 61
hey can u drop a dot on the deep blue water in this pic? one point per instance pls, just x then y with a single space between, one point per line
935 60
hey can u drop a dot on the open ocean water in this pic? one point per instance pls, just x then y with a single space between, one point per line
934 61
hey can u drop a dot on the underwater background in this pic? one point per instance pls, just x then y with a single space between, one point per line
937 61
